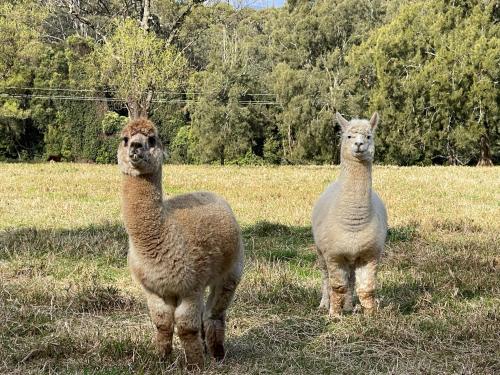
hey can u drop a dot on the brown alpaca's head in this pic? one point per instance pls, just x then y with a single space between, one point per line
140 151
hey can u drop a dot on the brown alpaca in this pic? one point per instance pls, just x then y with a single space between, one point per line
178 248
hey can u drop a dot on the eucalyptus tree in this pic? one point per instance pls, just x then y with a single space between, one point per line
20 50
432 72
227 101
137 64
309 44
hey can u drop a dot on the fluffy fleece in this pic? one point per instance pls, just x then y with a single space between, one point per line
177 248
349 223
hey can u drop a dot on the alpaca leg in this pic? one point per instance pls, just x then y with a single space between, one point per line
339 282
366 283
325 284
324 304
162 315
188 322
348 303
214 319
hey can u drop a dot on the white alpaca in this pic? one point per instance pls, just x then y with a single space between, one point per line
349 223
178 248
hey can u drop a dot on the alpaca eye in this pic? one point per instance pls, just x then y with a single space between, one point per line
369 137
151 141
349 137
125 141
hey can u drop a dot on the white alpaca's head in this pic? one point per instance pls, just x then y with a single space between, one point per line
358 141
140 151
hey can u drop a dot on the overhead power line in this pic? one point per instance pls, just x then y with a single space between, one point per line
104 99
71 90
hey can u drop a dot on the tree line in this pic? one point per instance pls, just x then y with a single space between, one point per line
245 86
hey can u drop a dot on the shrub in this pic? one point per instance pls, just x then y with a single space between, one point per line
112 123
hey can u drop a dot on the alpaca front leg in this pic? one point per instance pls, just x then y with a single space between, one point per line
188 322
162 315
365 285
324 304
339 286
325 284
348 302
214 319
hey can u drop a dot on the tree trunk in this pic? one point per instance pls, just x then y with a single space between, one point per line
221 154
146 12
172 33
452 160
485 159
135 110
139 106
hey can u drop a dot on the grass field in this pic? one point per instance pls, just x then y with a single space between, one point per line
68 305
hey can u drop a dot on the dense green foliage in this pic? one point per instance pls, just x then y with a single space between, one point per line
249 86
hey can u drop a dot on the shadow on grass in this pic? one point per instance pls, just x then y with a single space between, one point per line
277 242
295 244
72 268
449 268
406 297
107 240
276 339
405 233
266 240
268 229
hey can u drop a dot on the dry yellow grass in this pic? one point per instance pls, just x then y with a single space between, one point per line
67 304
76 195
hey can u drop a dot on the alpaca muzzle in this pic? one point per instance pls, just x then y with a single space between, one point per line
136 152
137 158
359 149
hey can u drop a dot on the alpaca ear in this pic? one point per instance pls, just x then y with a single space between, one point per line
344 124
374 120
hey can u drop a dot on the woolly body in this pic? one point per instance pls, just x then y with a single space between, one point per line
193 245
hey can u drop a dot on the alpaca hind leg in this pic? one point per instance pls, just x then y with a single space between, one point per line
366 283
325 284
339 284
162 315
188 323
214 320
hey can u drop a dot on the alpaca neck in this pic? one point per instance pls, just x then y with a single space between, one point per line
354 203
142 204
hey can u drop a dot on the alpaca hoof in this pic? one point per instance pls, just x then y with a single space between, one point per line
335 314
218 352
195 364
162 348
323 306
193 368
214 338
370 306
369 311
335 310
348 309
164 354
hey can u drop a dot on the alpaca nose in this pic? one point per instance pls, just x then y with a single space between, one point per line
135 149
358 144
